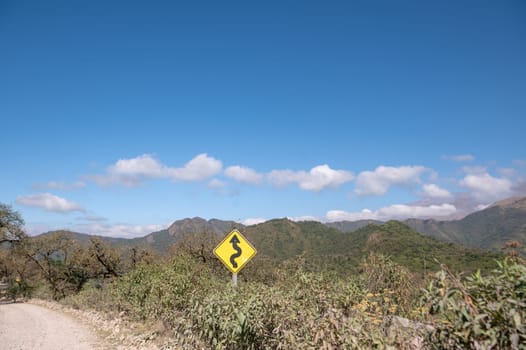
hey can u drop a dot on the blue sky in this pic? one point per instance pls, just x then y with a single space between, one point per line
119 117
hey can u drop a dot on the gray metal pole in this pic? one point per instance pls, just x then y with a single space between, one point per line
234 279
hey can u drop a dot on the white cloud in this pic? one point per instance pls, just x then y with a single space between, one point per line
119 230
396 211
519 188
323 176
341 215
253 221
402 211
49 202
244 174
199 168
379 181
144 166
34 229
486 188
304 218
130 172
282 178
133 171
216 184
58 185
460 158
507 172
482 206
316 179
92 218
434 191
97 226
476 169
220 188
111 179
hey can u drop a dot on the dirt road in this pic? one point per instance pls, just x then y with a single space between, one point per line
27 326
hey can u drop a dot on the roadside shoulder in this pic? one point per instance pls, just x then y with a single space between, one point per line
115 331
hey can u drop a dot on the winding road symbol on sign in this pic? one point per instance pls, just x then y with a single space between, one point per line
235 251
235 242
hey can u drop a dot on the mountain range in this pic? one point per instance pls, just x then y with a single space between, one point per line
488 229
328 248
471 241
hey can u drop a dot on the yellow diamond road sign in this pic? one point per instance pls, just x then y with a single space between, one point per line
235 251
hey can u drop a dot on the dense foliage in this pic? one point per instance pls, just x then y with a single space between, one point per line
483 312
10 225
299 309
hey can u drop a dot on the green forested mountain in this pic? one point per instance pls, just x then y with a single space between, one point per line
326 247
199 225
321 247
487 229
163 239
184 229
416 251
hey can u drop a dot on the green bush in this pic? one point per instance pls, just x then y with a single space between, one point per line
155 290
483 312
93 295
299 310
382 275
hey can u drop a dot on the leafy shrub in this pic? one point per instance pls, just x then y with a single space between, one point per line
93 295
482 312
383 276
155 290
300 309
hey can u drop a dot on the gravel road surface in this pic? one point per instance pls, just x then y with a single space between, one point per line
28 327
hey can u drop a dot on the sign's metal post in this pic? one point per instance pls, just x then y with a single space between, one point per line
234 280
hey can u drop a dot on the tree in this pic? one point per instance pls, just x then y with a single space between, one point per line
11 224
107 257
60 260
137 255
13 269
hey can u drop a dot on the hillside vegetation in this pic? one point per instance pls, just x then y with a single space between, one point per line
326 248
309 287
489 229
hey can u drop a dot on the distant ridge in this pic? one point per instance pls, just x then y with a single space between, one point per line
349 226
163 239
328 248
488 229
513 202
198 225
177 231
321 247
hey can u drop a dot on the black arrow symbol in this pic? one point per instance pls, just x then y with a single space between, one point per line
235 241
